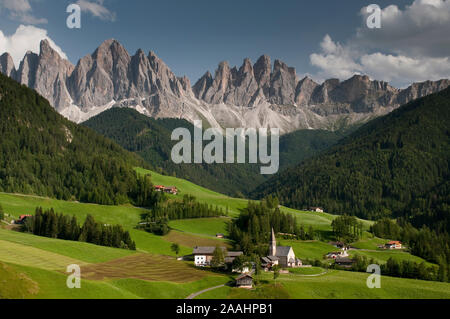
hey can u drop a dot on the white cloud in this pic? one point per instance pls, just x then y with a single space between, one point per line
26 38
412 45
21 10
97 9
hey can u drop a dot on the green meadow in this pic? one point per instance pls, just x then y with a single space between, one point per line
34 267
333 285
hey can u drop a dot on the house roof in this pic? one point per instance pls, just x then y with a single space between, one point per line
210 251
245 275
273 258
394 242
266 260
204 250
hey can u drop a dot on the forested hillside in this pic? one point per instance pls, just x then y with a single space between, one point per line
394 166
42 153
150 138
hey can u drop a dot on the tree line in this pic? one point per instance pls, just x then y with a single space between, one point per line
157 220
251 231
404 269
430 245
347 228
53 225
44 154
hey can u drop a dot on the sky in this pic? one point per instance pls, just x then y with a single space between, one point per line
321 39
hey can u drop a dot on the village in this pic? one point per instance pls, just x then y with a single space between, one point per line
280 259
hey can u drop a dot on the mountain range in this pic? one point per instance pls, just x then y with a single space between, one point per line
394 166
254 95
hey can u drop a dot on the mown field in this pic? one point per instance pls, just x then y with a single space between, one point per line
34 267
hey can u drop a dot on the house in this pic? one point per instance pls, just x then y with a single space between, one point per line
283 256
338 254
220 236
204 255
337 244
245 281
344 262
22 219
394 245
317 209
169 190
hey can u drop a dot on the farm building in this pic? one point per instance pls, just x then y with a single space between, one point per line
245 281
394 245
338 254
22 219
204 255
220 236
169 190
317 209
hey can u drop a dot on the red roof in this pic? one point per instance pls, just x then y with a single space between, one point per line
394 243
24 216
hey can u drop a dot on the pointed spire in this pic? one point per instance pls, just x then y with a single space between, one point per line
273 244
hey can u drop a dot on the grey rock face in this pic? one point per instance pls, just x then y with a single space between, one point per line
249 96
7 65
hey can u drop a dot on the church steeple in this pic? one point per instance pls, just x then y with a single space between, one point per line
273 245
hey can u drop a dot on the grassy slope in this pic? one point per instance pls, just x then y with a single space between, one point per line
336 285
206 228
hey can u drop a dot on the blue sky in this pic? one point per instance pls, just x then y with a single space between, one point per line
194 36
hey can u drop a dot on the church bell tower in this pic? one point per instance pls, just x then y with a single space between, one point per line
273 245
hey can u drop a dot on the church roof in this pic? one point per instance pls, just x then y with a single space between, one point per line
283 251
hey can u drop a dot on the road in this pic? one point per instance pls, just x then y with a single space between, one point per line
194 295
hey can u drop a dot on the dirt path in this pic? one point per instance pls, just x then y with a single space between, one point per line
194 295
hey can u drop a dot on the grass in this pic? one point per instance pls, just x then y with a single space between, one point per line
127 216
83 252
203 195
15 285
309 271
309 249
144 267
371 243
333 285
30 256
168 290
382 256
203 226
193 241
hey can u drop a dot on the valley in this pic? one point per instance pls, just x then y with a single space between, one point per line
153 272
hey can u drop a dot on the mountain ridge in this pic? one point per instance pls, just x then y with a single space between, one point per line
254 95
394 166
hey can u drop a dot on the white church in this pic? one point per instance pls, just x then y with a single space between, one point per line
283 256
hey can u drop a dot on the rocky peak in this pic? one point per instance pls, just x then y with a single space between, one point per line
27 70
262 70
283 84
304 91
202 86
7 65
